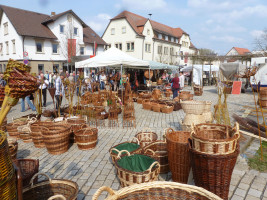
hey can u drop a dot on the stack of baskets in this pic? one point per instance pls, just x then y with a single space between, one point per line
196 112
76 125
86 138
213 153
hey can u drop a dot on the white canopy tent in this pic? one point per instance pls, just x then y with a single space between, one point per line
197 71
260 76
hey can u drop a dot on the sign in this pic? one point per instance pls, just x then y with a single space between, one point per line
71 48
25 54
26 62
236 87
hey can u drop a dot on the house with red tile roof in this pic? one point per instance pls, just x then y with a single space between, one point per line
236 52
48 42
147 39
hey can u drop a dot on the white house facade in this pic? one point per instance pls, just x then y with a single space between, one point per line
48 42
238 55
149 40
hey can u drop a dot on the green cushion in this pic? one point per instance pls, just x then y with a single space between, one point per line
126 146
136 162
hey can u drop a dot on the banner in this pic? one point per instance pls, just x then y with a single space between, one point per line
71 48
94 48
186 57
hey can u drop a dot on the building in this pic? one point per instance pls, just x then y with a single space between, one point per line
48 42
239 55
149 40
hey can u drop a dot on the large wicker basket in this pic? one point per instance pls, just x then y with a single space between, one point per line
193 107
128 178
215 139
158 190
36 133
86 138
178 154
146 136
185 95
76 124
190 119
51 187
167 109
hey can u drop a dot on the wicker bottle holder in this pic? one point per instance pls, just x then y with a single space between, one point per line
158 190
146 136
86 138
158 151
178 154
128 178
46 189
215 139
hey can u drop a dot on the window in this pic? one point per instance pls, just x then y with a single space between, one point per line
55 48
148 32
148 47
14 46
172 39
61 28
118 46
75 31
171 51
1 49
159 49
39 47
166 50
123 29
56 68
166 37
7 48
40 68
1 70
130 46
160 36
4 67
113 31
5 28
82 50
108 46
182 53
176 40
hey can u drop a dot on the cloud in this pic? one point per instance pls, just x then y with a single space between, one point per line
227 38
141 4
256 33
99 23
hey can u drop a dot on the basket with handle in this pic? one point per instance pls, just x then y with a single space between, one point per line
193 107
158 151
36 133
128 177
146 136
155 106
25 133
86 137
48 188
215 139
178 154
157 190
190 119
12 128
76 124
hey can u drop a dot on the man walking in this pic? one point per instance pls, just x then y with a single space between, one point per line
59 90
43 88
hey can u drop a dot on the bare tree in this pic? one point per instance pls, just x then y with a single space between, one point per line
261 42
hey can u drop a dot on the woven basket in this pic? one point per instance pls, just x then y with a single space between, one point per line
56 138
36 133
167 109
208 106
158 151
28 168
46 189
190 119
193 107
25 133
147 104
4 124
13 147
128 178
213 172
158 190
146 136
86 138
178 154
215 139
139 100
184 96
12 128
76 124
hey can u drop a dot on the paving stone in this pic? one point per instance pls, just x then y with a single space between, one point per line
240 192
236 197
249 197
255 193
243 186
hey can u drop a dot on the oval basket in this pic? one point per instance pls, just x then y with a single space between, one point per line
146 136
86 138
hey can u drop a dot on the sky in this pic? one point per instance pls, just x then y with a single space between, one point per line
214 24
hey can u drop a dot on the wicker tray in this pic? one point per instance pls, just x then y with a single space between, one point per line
158 190
146 136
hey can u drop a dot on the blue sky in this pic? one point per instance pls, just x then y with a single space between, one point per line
214 24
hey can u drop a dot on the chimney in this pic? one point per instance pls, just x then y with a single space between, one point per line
53 13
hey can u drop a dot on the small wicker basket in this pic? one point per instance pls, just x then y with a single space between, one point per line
86 138
146 136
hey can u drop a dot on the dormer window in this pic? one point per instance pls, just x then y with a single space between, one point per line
166 37
61 28
160 36
75 31
148 32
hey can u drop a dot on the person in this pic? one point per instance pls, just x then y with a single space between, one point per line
103 80
175 85
2 81
181 80
165 75
22 103
67 74
76 80
46 75
50 79
43 88
59 90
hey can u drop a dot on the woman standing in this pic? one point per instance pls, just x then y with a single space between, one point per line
175 85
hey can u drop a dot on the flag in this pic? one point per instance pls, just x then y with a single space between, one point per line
186 57
71 48
94 48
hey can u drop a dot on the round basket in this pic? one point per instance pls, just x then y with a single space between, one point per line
128 177
167 109
25 133
13 147
76 124
46 189
193 107
158 190
147 104
12 128
190 119
178 154
215 139
36 133
146 136
158 151
86 138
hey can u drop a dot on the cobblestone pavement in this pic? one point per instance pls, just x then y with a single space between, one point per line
93 168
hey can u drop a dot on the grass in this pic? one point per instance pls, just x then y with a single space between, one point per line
256 163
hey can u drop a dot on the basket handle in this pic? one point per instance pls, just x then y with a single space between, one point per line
32 120
152 165
102 189
11 145
237 129
153 152
120 152
60 196
135 138
43 174
147 128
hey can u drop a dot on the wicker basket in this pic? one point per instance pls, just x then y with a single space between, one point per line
12 128
56 138
147 104
208 106
190 119
178 154
198 90
25 133
213 172
185 96
86 138
146 136
128 178
46 189
207 116
36 133
76 124
215 139
158 190
158 151
193 107
28 168
167 109
4 124
139 100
